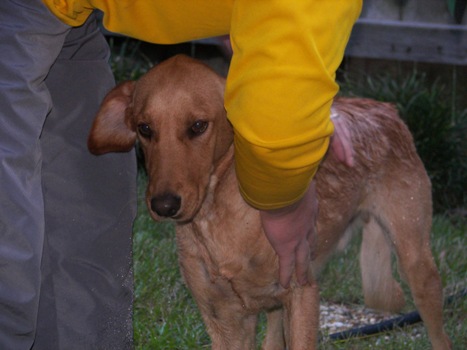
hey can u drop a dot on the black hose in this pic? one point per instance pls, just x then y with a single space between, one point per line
381 327
388 325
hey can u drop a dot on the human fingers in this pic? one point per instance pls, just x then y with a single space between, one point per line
286 268
302 262
288 230
341 141
314 212
278 228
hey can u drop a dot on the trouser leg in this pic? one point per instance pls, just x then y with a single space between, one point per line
87 291
49 183
30 41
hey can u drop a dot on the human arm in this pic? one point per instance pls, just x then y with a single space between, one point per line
341 141
279 94
292 233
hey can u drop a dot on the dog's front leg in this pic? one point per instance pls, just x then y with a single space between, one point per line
233 332
301 308
229 325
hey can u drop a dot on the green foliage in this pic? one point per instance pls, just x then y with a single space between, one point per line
439 131
127 61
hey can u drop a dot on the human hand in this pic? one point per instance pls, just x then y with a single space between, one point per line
225 45
341 142
292 233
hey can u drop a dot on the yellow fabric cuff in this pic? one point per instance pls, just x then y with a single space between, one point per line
275 178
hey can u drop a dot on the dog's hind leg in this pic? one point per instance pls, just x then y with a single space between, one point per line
417 266
380 289
406 218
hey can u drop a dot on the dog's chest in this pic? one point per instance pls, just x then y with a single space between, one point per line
233 251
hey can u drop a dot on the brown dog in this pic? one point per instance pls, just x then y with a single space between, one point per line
176 112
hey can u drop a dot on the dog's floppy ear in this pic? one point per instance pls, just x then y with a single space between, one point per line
112 130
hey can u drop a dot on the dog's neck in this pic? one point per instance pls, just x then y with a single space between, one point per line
222 177
221 171
223 164
199 227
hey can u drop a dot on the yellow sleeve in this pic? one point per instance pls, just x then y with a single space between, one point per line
156 21
280 89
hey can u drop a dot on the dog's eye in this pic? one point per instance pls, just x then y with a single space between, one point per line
198 127
144 130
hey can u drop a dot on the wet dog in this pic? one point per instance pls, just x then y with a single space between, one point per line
176 113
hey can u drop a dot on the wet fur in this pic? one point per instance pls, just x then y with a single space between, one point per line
227 263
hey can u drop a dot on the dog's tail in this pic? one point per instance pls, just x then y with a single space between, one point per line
380 289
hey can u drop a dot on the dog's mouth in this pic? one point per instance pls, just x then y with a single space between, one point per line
177 219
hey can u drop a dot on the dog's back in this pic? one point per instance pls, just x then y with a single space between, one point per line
387 190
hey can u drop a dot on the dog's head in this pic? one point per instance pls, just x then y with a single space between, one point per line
176 112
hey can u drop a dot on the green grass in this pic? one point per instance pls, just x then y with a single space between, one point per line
166 316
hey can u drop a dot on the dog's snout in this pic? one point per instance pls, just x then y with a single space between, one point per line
166 205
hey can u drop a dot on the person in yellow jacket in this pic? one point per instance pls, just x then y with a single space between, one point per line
280 87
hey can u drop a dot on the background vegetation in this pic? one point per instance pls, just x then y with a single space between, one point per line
166 316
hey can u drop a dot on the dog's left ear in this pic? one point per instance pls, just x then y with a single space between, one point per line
112 130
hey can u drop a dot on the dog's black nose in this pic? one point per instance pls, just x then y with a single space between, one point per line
166 205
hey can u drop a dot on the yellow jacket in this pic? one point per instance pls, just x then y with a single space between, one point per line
281 81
